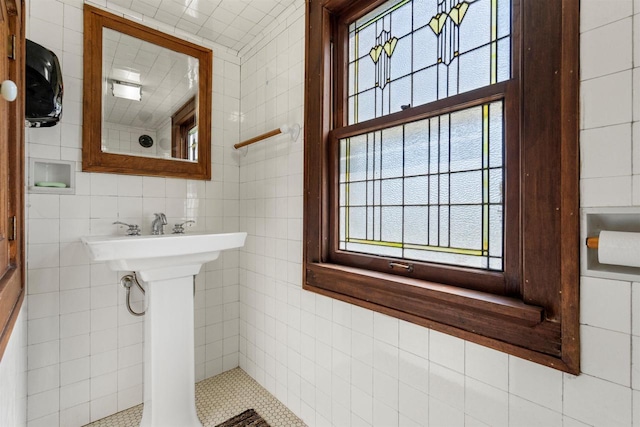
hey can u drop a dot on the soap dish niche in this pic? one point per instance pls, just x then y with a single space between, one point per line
52 176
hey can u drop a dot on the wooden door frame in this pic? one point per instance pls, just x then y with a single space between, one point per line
12 288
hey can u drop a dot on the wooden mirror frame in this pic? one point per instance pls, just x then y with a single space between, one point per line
93 158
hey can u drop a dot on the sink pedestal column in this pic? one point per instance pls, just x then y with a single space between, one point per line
169 377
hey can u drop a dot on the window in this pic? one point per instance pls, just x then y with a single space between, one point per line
447 191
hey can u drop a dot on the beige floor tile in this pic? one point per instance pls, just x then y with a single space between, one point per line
218 399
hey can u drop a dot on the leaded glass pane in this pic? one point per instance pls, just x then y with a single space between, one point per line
430 190
411 52
357 193
391 192
392 155
466 188
416 190
357 223
415 222
495 133
434 190
466 227
416 149
434 226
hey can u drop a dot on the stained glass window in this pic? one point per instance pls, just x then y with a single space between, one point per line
411 52
430 190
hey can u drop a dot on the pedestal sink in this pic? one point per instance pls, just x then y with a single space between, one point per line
167 264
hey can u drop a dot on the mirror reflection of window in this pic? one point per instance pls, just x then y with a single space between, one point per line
184 131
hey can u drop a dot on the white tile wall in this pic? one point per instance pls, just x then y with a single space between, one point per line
84 348
331 363
394 373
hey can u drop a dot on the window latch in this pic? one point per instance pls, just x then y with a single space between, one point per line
401 265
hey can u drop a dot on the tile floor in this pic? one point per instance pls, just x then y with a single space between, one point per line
218 399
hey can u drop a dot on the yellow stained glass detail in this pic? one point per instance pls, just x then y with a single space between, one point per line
390 45
485 177
461 251
458 11
375 52
437 23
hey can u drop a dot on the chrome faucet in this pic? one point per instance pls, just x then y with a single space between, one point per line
157 226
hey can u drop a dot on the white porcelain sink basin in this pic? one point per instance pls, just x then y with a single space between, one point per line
166 264
161 257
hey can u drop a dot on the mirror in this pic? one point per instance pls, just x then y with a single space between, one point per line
147 100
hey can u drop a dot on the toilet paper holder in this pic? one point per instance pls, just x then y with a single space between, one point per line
603 231
617 247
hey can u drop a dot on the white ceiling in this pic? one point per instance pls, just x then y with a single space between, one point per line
230 23
166 77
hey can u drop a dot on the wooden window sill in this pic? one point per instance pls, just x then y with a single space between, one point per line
503 323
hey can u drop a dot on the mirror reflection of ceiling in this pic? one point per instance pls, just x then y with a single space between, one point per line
230 23
168 80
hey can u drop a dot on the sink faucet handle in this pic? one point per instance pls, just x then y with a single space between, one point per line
134 229
179 228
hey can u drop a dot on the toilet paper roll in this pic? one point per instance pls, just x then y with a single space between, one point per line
619 248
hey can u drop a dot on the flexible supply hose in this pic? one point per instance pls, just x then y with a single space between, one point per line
128 281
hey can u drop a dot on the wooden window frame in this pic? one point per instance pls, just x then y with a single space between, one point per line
182 122
531 312
12 289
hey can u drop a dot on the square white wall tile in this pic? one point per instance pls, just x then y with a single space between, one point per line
76 416
527 414
75 370
605 304
43 379
487 365
606 354
535 383
596 402
103 406
447 385
75 324
606 151
414 339
610 191
43 404
44 354
598 13
446 350
413 404
414 371
74 394
486 403
606 100
75 347
606 49
442 414
43 305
